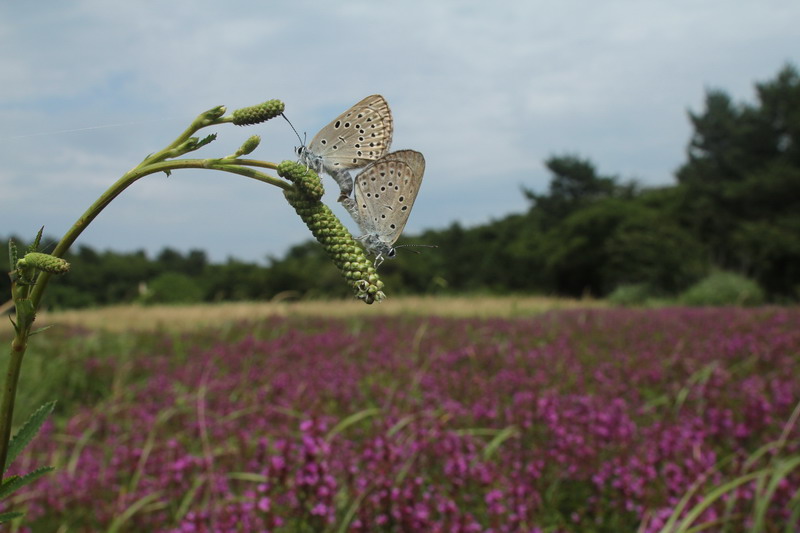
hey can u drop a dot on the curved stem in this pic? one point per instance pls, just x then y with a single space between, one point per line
26 316
18 346
139 172
27 300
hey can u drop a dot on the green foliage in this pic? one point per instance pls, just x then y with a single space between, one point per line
575 185
173 288
28 431
723 288
742 182
736 207
650 247
577 247
18 443
631 295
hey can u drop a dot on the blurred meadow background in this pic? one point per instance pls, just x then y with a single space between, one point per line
604 339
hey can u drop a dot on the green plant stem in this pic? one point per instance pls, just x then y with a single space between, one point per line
125 181
18 346
154 163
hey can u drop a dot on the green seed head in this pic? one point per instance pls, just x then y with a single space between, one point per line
306 180
258 113
44 262
348 257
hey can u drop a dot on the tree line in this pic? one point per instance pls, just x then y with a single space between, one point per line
735 207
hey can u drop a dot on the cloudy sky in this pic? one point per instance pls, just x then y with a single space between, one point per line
486 90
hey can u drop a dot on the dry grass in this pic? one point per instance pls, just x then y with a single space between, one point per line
125 317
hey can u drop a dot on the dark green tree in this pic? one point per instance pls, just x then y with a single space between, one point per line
741 183
575 184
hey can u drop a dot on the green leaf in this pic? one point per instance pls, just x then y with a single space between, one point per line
37 241
205 140
10 485
12 256
40 330
9 516
28 430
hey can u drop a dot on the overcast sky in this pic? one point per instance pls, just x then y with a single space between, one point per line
485 90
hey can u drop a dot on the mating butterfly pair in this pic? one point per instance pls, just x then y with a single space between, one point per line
386 188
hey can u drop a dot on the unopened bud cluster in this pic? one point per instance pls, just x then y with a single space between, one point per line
248 146
44 262
258 113
305 179
347 255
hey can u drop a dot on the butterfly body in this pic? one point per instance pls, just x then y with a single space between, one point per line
357 137
384 195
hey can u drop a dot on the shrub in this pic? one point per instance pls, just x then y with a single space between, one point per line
173 287
723 288
631 294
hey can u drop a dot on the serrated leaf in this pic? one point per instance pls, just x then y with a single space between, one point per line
9 516
12 255
37 241
14 483
205 140
28 430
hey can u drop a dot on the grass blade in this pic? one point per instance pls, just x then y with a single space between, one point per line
130 511
712 497
781 471
494 444
350 420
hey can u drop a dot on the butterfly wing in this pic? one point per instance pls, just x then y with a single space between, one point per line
385 193
355 138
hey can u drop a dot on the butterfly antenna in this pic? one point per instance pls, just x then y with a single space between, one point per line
416 245
302 141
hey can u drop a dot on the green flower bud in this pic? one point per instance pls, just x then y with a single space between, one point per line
214 113
354 265
248 146
258 113
306 180
44 262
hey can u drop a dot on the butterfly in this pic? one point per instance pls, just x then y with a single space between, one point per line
357 137
384 195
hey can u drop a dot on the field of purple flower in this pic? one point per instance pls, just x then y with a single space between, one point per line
600 420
